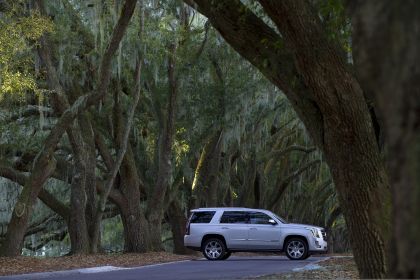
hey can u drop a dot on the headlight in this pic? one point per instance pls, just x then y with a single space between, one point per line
314 231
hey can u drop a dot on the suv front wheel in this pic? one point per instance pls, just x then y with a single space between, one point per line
214 249
296 249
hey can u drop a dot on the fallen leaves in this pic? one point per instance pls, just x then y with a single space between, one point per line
20 265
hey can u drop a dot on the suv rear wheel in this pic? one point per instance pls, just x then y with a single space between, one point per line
296 249
214 249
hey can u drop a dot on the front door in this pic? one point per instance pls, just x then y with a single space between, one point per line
263 235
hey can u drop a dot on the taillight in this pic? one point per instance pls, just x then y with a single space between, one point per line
187 228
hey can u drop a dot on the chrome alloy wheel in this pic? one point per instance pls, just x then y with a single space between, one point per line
213 249
296 249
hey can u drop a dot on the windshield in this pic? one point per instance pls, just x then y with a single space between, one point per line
280 219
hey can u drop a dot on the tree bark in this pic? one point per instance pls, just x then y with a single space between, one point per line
128 197
90 171
13 243
134 221
309 69
124 143
178 221
78 232
386 38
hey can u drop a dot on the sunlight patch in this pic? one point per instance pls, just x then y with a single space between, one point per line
100 269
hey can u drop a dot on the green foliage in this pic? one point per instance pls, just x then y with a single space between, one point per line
336 22
113 234
18 36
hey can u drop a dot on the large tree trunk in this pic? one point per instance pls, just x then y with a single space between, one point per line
78 231
77 228
178 221
310 70
155 202
355 161
134 222
127 198
386 39
362 186
90 171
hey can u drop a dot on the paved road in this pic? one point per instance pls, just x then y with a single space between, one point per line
233 268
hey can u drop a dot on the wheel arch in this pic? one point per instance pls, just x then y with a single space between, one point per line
288 237
213 235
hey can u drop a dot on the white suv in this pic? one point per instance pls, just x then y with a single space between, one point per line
218 232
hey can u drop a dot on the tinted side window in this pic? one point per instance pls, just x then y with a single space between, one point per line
258 218
234 217
202 217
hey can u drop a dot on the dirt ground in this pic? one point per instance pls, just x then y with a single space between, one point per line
20 265
341 267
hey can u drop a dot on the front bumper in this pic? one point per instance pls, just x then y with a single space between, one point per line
318 246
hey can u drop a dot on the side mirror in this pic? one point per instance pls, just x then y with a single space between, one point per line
272 222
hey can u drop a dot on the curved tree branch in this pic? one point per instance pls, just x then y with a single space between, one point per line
45 196
264 48
281 187
282 152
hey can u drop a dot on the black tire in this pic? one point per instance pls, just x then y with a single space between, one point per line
226 256
296 249
214 249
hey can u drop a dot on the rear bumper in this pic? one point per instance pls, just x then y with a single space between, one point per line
192 241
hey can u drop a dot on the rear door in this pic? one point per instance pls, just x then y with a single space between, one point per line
234 227
262 235
198 220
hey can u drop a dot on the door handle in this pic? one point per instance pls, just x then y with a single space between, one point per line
225 228
253 228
